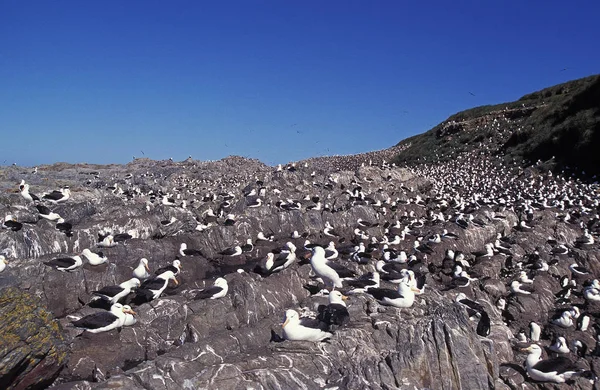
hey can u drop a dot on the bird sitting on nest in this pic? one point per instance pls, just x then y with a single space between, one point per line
305 329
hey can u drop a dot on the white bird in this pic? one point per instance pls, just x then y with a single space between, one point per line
284 259
261 237
560 346
58 196
218 290
46 213
585 239
305 329
329 230
487 252
583 322
401 298
564 319
523 278
534 331
557 370
114 293
336 313
130 320
184 251
501 304
519 288
152 288
231 252
142 271
329 272
401 258
105 320
94 258
65 263
255 203
578 270
107 242
436 239
24 189
592 292
331 252
167 201
3 263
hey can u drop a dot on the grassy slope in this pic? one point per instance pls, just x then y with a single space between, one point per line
561 121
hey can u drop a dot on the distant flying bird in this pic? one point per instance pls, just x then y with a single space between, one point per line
471 93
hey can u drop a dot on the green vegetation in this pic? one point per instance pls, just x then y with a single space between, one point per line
562 121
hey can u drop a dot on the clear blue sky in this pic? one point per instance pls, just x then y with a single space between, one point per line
101 81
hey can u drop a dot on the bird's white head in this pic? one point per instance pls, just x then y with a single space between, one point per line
290 316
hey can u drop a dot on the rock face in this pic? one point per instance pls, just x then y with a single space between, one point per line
180 342
32 347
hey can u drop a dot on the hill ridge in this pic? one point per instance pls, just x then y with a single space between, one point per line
558 125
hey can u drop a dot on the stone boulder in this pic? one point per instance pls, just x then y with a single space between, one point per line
32 347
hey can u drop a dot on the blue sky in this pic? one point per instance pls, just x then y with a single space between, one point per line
100 82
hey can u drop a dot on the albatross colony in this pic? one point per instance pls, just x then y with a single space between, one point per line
333 260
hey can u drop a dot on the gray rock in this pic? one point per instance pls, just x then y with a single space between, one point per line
179 342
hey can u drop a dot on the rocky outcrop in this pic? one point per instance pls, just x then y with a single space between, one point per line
181 342
32 347
432 344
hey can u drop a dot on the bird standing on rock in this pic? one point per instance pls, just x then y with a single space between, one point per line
28 196
329 272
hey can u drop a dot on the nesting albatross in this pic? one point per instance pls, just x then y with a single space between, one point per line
305 329
105 320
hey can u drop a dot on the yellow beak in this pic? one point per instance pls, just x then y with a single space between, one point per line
176 282
147 269
285 323
129 311
344 297
415 290
5 261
